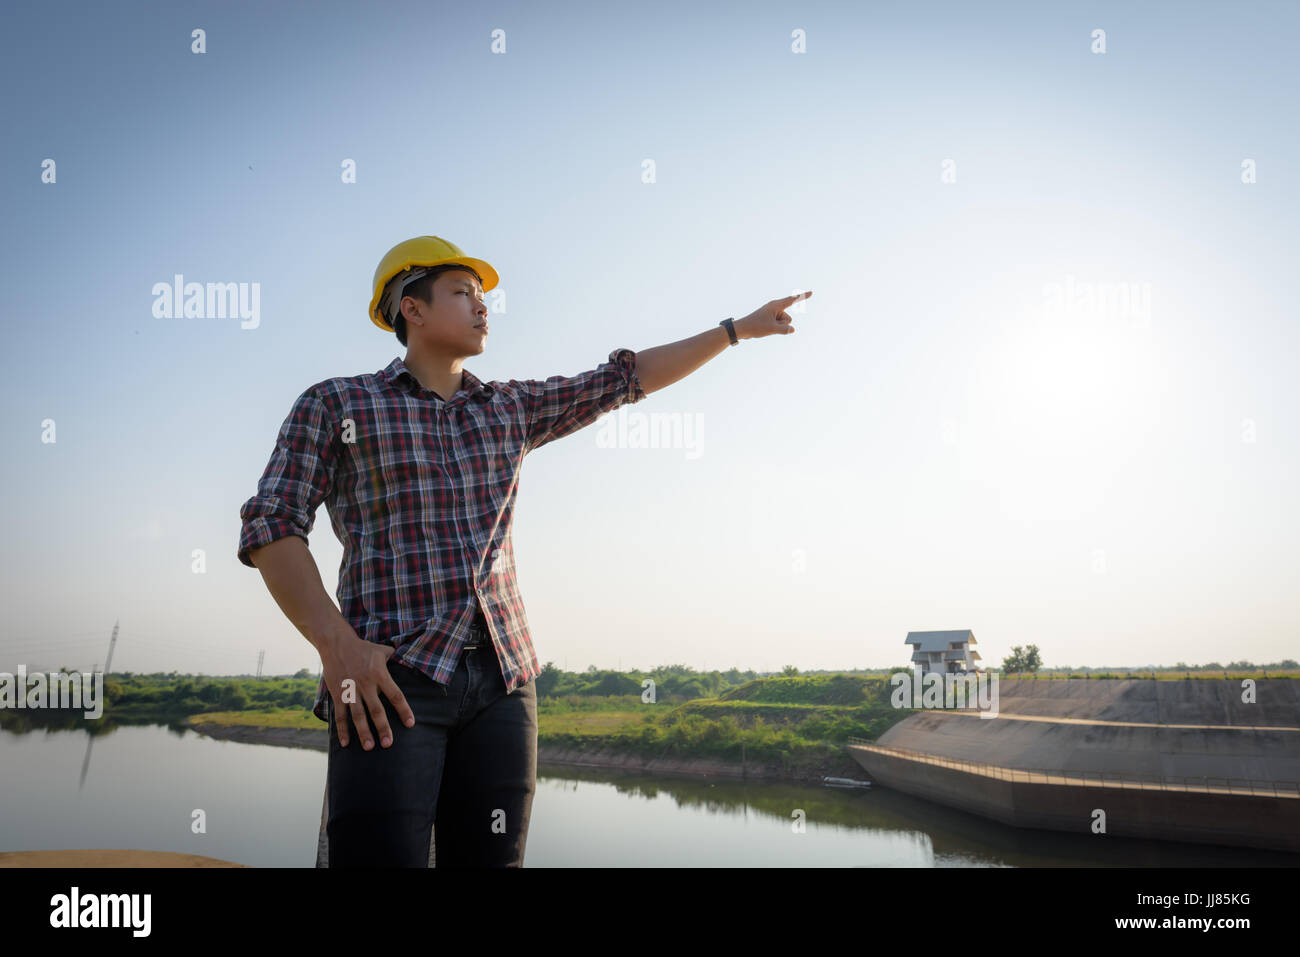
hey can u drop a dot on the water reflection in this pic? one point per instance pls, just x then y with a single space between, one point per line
262 806
936 835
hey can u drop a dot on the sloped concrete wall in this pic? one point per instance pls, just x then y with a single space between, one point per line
1190 701
1222 748
1168 752
1233 820
1257 741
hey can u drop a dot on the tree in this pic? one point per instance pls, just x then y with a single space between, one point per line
615 683
679 670
233 697
691 689
790 670
547 680
1022 659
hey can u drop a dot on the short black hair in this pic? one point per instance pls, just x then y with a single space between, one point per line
422 289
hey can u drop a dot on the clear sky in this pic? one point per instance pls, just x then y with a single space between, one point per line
965 432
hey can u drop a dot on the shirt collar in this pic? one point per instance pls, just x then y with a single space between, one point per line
397 372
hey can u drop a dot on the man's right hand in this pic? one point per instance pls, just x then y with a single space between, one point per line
366 663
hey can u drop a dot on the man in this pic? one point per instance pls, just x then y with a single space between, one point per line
429 651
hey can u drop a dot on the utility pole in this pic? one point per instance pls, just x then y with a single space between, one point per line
112 643
260 655
90 738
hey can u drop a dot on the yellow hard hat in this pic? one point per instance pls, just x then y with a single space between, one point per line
422 251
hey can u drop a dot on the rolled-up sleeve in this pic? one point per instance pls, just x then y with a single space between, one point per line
560 405
297 479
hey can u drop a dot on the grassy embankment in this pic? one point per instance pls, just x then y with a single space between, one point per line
793 722
799 723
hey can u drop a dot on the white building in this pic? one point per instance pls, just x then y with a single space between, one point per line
947 652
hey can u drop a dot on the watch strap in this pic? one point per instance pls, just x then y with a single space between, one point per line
730 325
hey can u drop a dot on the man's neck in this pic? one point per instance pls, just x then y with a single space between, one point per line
440 374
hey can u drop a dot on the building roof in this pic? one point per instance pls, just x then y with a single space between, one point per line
938 640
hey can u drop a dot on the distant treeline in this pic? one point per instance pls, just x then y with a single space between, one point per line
173 695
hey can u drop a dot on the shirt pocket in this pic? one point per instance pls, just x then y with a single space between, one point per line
397 483
405 468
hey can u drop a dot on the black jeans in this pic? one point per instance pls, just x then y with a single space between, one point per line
467 771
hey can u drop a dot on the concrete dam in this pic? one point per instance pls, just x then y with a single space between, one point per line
1179 760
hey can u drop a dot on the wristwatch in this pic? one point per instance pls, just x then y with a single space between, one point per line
730 326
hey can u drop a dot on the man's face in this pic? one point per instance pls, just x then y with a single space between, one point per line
456 323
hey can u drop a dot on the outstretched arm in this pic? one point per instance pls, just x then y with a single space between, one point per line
663 365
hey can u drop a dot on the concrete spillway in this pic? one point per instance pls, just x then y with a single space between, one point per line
1184 760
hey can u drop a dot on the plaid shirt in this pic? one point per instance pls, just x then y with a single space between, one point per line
421 495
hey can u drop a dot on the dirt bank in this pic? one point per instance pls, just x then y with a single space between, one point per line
623 761
98 857
316 739
839 766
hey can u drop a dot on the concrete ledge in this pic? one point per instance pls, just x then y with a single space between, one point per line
1237 820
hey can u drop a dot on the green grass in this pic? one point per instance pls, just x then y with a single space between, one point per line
599 723
800 723
260 718
764 720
